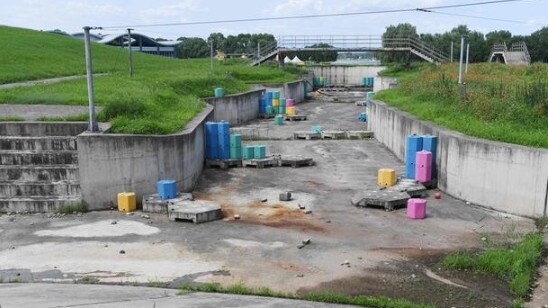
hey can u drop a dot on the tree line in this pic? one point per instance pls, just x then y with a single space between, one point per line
480 44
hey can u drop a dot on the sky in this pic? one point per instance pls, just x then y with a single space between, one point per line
71 15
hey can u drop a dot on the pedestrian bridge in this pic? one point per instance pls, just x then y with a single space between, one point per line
346 43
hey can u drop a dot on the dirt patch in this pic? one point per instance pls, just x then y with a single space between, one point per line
408 280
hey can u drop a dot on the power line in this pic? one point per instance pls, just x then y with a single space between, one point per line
472 16
309 16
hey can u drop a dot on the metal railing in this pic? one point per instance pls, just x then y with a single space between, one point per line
355 42
521 47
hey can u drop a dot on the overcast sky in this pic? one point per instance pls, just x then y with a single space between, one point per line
71 15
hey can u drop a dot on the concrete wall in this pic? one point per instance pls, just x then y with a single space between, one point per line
346 75
502 176
113 163
382 83
293 89
237 108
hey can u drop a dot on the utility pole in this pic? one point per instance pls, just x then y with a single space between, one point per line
467 57
211 56
93 126
462 86
461 58
130 55
259 53
451 51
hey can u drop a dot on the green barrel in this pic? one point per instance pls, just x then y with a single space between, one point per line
248 151
281 110
279 119
365 81
260 151
235 140
269 110
369 95
316 129
235 153
276 94
219 92
282 102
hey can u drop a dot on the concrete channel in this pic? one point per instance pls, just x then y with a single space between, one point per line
361 249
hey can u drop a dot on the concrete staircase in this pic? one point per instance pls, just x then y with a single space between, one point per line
38 174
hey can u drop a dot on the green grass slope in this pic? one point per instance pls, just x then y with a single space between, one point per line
504 103
161 97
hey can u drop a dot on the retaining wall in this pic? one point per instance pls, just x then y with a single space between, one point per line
346 75
41 129
113 163
237 108
505 177
294 89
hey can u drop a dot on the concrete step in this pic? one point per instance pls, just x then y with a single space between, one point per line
15 189
57 143
37 204
39 173
8 157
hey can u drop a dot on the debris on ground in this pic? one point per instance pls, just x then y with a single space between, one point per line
285 196
122 252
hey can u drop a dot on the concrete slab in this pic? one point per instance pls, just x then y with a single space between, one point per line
101 296
197 211
154 204
223 163
296 161
389 199
307 135
261 163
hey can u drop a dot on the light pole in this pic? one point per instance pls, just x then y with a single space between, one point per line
93 126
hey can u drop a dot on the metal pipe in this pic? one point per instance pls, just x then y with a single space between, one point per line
467 55
130 55
461 58
93 126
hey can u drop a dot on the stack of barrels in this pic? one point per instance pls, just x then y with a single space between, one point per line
257 151
217 140
271 103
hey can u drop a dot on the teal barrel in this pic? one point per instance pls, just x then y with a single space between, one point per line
275 94
282 101
316 129
269 110
260 151
279 119
236 153
365 81
369 95
281 110
219 92
235 140
248 151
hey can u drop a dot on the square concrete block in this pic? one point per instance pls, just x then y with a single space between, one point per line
386 177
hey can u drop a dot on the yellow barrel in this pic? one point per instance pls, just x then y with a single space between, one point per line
127 202
290 110
275 102
386 177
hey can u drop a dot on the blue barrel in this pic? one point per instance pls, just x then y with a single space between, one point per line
372 81
219 92
430 144
268 96
362 116
166 189
262 105
224 140
212 153
412 146
212 139
259 151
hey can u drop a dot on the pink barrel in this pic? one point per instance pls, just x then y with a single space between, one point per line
423 166
289 102
416 208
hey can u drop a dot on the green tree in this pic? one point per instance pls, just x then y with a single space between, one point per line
537 43
218 40
316 56
192 47
498 37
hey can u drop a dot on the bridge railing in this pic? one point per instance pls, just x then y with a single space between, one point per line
352 42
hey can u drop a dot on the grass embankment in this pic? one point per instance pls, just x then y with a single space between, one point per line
516 263
324 297
503 103
161 97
